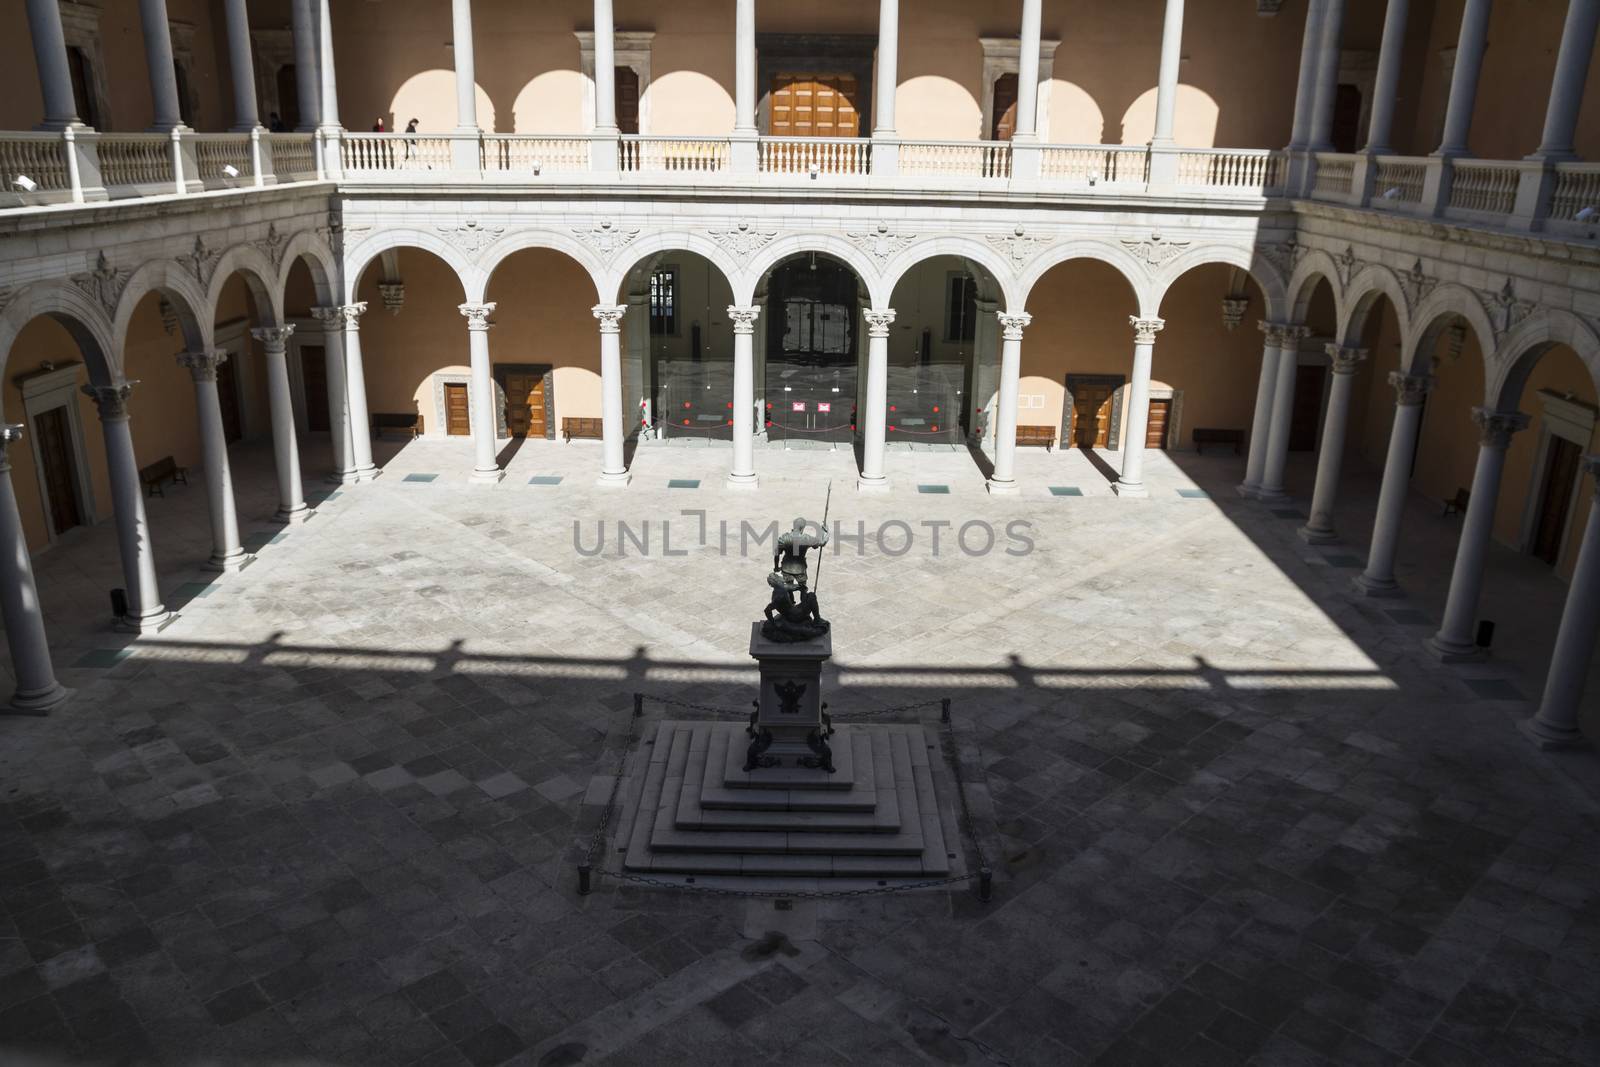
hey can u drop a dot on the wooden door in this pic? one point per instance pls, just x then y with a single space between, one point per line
627 100
457 423
1307 410
60 473
1560 474
314 378
525 407
228 397
814 105
1091 413
1005 108
1155 433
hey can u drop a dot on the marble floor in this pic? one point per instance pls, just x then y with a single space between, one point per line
332 813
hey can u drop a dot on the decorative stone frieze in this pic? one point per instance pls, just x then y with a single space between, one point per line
394 296
111 400
1155 251
1233 309
610 316
1496 427
478 315
1345 360
202 365
607 238
1145 330
744 240
1416 284
272 246
881 243
1285 255
1410 389
274 338
200 261
879 321
1012 324
1346 263
744 318
1018 246
471 236
105 283
1505 308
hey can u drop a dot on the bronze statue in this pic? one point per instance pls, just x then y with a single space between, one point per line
792 613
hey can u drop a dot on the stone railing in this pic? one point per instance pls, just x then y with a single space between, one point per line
672 155
534 154
215 153
136 161
372 154
1484 187
40 158
1576 189
1092 164
956 159
1400 181
294 156
836 157
1335 178
1254 170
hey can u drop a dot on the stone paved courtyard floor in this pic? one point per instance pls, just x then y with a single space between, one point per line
1237 815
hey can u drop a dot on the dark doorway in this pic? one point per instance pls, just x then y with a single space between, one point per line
1307 410
627 100
60 473
1346 119
288 97
1092 397
82 72
1005 108
812 308
1560 474
180 74
314 375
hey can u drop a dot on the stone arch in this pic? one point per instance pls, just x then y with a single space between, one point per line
253 266
77 312
1317 266
638 253
1518 354
1261 270
172 280
1432 315
320 261
1003 272
512 243
358 259
1373 281
866 271
1122 262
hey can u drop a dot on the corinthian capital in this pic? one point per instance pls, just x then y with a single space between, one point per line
1410 389
610 316
1013 323
878 321
202 365
477 315
1496 427
111 400
1145 330
274 337
744 318
1346 360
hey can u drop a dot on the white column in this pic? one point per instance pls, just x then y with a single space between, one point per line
146 613
1277 454
605 68
246 115
614 470
1556 723
1004 478
158 58
1346 361
1305 97
1261 423
1572 74
1328 48
37 689
339 435
888 73
743 475
50 54
327 84
1131 483
355 384
486 470
466 72
292 507
875 403
1464 81
1167 75
1454 641
1388 81
307 83
744 67
1378 578
1027 125
227 554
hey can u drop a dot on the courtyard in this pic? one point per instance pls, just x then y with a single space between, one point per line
1236 813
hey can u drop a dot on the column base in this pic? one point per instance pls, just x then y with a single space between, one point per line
152 623
349 477
1318 536
1269 495
1551 738
231 563
1377 587
1246 490
297 516
1002 486
869 484
1447 651
40 701
1134 490
613 479
366 474
489 477
742 481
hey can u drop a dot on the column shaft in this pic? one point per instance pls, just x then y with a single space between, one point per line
1384 90
1305 97
744 63
227 554
246 114
1556 723
486 468
145 611
339 436
1131 483
50 55
466 72
37 689
888 73
328 93
614 468
1328 49
1346 361
355 383
285 448
1261 421
1277 455
1464 81
1004 478
1571 76
1027 125
158 58
1167 76
1378 578
605 68
875 404
743 475
307 81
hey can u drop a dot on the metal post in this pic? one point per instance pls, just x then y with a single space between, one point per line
583 879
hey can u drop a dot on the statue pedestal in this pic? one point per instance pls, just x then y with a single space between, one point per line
788 729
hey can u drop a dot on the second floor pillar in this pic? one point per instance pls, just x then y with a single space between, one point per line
55 74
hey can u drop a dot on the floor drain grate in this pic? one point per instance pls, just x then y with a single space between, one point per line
683 483
1194 494
1065 490
937 489
545 479
419 477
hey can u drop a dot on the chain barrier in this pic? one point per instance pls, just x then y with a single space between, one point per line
587 867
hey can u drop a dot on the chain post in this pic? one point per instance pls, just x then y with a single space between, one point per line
583 879
944 710
638 705
985 884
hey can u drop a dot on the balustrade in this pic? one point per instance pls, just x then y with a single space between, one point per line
673 155
837 157
1091 164
956 159
1228 169
534 154
1484 187
1399 181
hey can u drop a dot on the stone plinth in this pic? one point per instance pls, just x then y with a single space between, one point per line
790 706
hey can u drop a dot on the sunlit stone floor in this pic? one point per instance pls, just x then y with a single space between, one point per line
331 814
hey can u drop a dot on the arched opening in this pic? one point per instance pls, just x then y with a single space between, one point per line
1447 443
808 351
943 352
678 349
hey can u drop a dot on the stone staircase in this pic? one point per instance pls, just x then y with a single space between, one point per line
695 815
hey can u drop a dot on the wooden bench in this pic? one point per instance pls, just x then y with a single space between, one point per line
1458 503
1037 435
399 420
571 427
160 472
1203 437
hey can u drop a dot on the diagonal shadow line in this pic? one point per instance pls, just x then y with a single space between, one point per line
1107 471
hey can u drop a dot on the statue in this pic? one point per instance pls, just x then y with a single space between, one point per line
792 613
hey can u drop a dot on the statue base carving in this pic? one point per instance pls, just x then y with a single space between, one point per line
790 726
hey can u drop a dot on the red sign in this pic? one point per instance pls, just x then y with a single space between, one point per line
824 408
798 405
